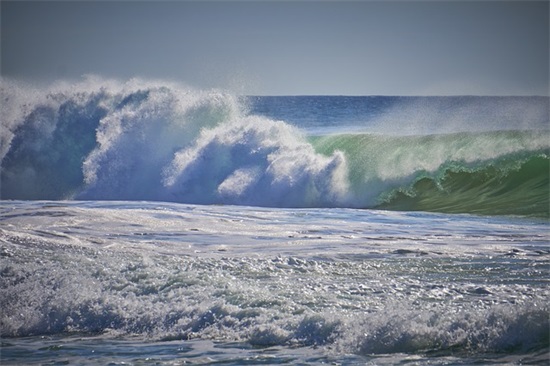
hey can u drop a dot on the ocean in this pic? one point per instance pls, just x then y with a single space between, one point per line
150 223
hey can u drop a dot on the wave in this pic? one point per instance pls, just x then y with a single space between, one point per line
140 140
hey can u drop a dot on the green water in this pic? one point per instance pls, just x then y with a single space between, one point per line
493 173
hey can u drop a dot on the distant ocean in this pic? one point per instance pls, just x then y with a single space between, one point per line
151 223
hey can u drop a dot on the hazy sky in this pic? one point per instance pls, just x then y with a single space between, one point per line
286 47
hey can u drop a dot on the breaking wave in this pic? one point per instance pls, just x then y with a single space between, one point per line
140 140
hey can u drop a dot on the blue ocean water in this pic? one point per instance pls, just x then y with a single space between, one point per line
150 223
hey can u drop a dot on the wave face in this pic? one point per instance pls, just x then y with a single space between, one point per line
503 172
140 140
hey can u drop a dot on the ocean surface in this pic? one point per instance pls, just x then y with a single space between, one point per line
149 223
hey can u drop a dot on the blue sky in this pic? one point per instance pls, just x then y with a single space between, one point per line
286 47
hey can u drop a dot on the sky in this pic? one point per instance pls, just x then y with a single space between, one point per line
286 47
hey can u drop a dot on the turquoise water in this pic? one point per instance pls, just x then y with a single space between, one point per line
492 173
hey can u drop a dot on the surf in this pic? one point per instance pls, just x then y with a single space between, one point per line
342 281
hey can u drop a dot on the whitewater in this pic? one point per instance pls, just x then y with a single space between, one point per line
150 222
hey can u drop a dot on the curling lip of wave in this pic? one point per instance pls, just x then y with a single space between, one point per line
497 172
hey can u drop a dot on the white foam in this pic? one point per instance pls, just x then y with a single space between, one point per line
283 278
268 160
